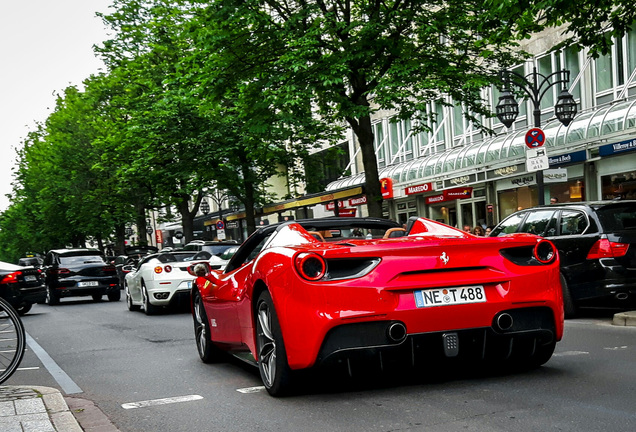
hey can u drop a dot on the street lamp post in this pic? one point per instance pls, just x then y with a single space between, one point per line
535 85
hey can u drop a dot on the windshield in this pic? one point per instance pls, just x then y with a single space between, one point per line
82 259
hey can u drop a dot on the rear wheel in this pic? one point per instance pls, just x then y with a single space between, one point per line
149 308
569 308
23 308
97 297
114 295
129 303
541 355
208 352
272 357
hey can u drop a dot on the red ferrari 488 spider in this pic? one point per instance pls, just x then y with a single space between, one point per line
304 293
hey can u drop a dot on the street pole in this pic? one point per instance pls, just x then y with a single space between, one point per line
535 86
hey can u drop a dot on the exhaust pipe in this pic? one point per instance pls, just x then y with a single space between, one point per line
396 332
622 296
504 322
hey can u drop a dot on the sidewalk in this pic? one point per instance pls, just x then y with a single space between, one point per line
43 409
32 408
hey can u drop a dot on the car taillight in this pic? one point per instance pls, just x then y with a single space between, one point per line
604 248
61 271
168 269
545 252
310 266
10 278
158 269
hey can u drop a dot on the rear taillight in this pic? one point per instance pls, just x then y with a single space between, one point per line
545 252
158 269
168 269
10 278
61 271
604 248
310 266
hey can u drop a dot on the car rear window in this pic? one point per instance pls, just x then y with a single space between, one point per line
81 259
618 217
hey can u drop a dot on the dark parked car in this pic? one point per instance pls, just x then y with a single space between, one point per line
30 262
21 286
132 255
79 272
597 247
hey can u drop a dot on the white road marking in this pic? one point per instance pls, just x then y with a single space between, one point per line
570 353
164 401
251 389
28 368
65 381
617 348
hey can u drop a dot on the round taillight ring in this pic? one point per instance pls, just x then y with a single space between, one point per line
545 252
168 268
310 266
158 269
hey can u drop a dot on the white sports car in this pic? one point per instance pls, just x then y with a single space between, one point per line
158 280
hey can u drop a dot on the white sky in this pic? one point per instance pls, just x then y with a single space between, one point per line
45 46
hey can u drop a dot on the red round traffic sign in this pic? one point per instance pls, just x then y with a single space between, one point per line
535 138
220 225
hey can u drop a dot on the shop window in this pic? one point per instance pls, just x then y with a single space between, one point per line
619 186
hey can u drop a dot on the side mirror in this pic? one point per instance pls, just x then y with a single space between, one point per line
201 269
128 268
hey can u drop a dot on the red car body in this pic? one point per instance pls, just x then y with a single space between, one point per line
336 297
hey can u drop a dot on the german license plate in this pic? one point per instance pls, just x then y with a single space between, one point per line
87 283
450 296
29 278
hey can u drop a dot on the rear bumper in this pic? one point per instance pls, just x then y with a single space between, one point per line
77 291
526 329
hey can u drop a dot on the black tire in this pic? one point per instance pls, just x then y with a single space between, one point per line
114 295
208 352
24 308
97 297
131 307
149 308
569 308
272 356
52 298
13 341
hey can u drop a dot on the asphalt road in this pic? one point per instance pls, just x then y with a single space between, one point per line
144 374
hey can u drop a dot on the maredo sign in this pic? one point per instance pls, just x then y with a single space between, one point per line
386 187
450 194
421 188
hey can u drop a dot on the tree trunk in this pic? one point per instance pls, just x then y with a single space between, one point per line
363 130
187 220
140 221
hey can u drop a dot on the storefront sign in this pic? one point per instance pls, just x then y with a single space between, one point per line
347 212
450 194
505 171
331 206
568 158
386 186
619 147
470 178
159 236
426 187
358 201
516 182
555 175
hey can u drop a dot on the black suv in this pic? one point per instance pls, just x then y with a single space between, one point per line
79 272
21 286
597 248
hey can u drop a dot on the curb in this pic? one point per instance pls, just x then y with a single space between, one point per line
625 319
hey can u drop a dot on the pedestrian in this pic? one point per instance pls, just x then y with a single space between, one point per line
554 200
479 231
467 228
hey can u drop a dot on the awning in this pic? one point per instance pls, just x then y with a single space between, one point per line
313 199
589 129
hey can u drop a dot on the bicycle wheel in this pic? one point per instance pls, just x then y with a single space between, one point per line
12 340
